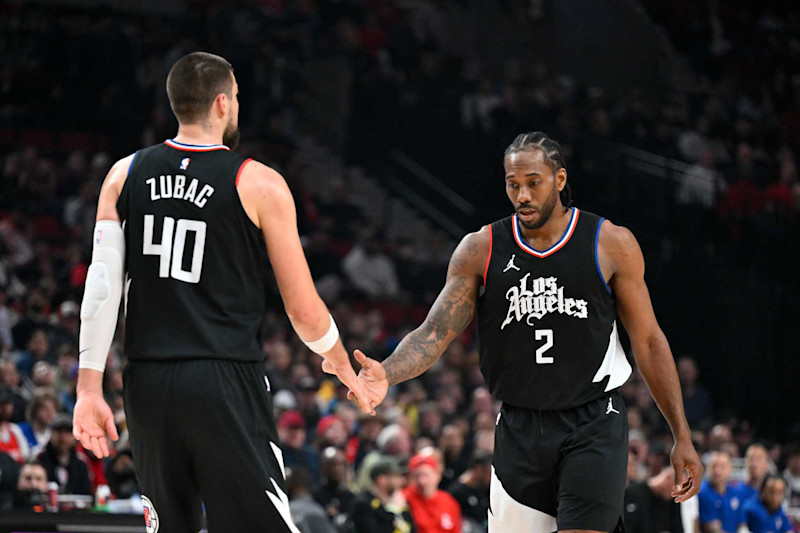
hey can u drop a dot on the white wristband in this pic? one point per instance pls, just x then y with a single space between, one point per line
327 341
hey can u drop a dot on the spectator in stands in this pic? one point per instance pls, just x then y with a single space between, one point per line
61 460
383 508
370 270
792 477
764 514
756 462
331 432
308 515
66 329
364 441
434 510
12 440
649 506
296 452
333 494
6 319
452 445
701 185
9 472
393 441
471 490
121 476
720 502
35 319
696 398
31 487
20 388
37 349
41 413
307 401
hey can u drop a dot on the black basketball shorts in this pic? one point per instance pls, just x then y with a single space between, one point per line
203 433
556 470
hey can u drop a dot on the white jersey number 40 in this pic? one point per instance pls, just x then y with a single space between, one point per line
171 248
547 335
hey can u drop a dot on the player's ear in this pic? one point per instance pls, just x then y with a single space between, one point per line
561 179
221 104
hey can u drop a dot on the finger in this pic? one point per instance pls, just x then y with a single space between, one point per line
350 395
363 360
93 446
111 428
104 446
678 478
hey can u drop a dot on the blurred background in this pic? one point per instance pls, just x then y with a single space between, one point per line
388 119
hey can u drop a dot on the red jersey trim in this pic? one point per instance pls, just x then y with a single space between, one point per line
488 257
573 223
241 167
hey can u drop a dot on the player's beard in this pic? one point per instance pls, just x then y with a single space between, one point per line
545 212
230 137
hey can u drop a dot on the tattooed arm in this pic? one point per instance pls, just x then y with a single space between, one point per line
450 314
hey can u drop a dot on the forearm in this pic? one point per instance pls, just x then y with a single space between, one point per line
657 366
415 354
89 382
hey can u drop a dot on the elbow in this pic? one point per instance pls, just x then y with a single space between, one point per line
300 316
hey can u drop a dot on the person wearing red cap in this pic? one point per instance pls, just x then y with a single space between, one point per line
296 452
433 510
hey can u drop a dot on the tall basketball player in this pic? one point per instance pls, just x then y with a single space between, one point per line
548 284
190 226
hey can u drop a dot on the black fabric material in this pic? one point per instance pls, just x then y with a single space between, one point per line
210 301
201 431
570 464
531 301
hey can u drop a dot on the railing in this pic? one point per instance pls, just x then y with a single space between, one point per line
428 194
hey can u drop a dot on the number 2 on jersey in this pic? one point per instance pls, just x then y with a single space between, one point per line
171 248
546 334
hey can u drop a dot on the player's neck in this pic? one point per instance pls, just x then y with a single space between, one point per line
551 231
200 134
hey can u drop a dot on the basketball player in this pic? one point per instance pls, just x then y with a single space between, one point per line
190 225
548 284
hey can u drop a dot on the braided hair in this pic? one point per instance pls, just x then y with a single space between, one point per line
551 151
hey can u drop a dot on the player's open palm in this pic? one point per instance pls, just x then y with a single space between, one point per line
92 420
372 378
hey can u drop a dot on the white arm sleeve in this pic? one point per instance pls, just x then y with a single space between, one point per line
102 295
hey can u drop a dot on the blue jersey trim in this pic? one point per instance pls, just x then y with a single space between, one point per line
597 258
132 160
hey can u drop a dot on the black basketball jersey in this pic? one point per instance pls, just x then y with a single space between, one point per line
196 265
547 319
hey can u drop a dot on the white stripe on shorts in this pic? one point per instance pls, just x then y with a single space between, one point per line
507 514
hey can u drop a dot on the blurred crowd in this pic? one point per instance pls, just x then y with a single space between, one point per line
424 462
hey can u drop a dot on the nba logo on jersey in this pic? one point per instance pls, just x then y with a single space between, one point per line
150 515
185 163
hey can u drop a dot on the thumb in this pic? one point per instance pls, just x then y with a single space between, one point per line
111 428
361 358
678 468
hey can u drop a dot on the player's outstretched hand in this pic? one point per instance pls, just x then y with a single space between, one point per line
340 366
372 378
688 470
92 420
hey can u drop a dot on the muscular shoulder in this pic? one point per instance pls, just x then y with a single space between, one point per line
471 253
617 240
119 172
264 193
260 180
619 246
